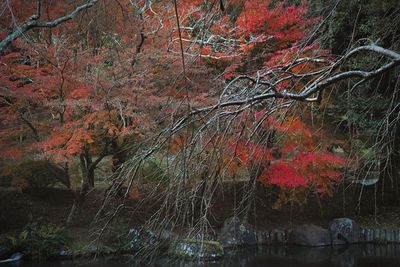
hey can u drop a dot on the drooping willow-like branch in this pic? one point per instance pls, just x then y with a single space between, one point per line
323 79
217 124
33 22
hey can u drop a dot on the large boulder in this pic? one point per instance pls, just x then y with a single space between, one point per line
310 235
344 231
192 249
236 233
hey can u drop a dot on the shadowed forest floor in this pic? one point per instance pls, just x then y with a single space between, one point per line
53 205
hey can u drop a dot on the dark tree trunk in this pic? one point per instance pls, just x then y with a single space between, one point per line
87 183
77 205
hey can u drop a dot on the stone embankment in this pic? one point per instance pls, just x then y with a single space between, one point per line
341 231
367 235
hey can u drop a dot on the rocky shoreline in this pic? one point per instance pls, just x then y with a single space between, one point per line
366 235
239 234
340 231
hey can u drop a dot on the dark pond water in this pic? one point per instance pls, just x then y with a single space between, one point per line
351 256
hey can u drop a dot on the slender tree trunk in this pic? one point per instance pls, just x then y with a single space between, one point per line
77 205
87 183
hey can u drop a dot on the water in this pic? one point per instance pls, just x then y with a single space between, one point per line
351 256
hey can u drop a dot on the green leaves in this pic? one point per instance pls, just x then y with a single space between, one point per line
39 241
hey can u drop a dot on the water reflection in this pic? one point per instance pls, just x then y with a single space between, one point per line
345 256
366 255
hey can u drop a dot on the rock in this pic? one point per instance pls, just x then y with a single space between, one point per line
280 236
236 233
310 235
15 257
397 236
268 239
338 150
389 235
362 238
134 239
142 239
146 239
65 254
260 238
382 236
375 235
263 238
196 249
344 231
369 235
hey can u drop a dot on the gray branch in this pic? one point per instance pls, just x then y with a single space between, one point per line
33 22
324 81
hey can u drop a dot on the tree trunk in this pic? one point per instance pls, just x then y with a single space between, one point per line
76 208
87 183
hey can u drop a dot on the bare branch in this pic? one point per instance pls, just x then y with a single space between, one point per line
323 81
33 22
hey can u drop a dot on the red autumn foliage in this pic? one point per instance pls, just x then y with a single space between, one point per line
296 165
308 170
250 152
283 23
84 88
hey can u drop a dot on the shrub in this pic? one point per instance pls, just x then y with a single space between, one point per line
33 174
39 241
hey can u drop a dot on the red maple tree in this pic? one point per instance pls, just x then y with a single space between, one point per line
83 89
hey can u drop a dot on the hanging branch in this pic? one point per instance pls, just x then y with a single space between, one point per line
323 80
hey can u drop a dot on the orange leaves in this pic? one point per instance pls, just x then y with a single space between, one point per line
177 144
79 139
102 123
